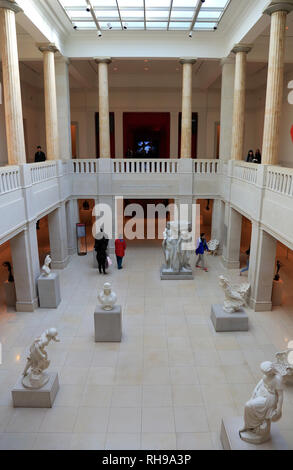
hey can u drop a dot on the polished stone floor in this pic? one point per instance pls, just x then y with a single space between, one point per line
169 382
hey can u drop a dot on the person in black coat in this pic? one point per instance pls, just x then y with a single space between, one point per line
257 156
40 155
101 245
250 156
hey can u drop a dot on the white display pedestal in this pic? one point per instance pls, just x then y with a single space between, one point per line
10 294
41 398
166 275
108 324
224 321
231 440
277 293
49 290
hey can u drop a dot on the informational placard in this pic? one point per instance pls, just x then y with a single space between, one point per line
81 239
80 230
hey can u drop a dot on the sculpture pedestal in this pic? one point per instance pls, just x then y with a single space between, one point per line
175 276
95 263
30 398
108 324
224 321
49 290
277 293
231 441
10 294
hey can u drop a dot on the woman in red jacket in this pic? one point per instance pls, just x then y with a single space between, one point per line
120 247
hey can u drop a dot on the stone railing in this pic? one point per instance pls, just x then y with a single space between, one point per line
85 166
245 172
9 179
206 167
280 180
43 171
147 166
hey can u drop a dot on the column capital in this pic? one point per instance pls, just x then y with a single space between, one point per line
103 60
227 60
242 48
187 60
273 7
8 5
47 47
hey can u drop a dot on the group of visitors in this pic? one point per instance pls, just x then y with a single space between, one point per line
254 157
101 249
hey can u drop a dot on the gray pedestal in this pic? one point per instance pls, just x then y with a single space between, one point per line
173 276
231 441
277 293
49 290
43 398
224 321
10 294
108 324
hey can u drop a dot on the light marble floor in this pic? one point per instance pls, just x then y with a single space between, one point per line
169 382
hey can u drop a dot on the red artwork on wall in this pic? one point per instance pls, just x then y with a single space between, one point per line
292 133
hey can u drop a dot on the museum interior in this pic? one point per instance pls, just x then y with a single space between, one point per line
111 105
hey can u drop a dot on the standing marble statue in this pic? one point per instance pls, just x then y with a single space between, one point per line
174 247
264 406
46 270
37 362
235 295
107 297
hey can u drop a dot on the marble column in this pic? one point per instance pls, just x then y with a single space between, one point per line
227 101
58 237
186 120
104 120
238 128
232 238
275 81
218 218
63 107
26 268
261 268
72 218
51 115
11 83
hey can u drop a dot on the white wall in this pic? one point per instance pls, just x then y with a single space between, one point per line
286 147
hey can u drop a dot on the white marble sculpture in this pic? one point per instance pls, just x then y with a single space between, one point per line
107 297
46 270
284 364
34 376
235 295
264 406
177 257
213 246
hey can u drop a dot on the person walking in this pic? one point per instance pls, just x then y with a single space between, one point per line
247 262
120 247
200 251
40 156
101 245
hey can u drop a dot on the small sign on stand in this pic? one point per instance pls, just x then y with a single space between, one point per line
81 239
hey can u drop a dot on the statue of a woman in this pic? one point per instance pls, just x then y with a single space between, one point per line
107 297
264 406
33 374
46 270
170 248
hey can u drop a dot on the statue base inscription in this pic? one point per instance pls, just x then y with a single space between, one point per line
49 290
167 275
231 441
108 324
224 321
35 398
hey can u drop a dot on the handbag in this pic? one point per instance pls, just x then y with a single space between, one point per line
109 261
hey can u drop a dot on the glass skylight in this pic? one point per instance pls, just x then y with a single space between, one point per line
145 14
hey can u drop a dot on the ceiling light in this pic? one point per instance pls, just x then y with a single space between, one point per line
109 25
100 34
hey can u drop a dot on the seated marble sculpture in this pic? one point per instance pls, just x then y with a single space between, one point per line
264 406
34 376
284 364
46 270
175 242
235 295
213 246
107 297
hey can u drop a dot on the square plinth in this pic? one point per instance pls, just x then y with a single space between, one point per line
49 290
10 294
231 440
108 324
176 276
224 321
41 398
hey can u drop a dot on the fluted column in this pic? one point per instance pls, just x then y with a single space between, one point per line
51 115
63 107
11 83
104 121
241 51
271 137
186 120
227 101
